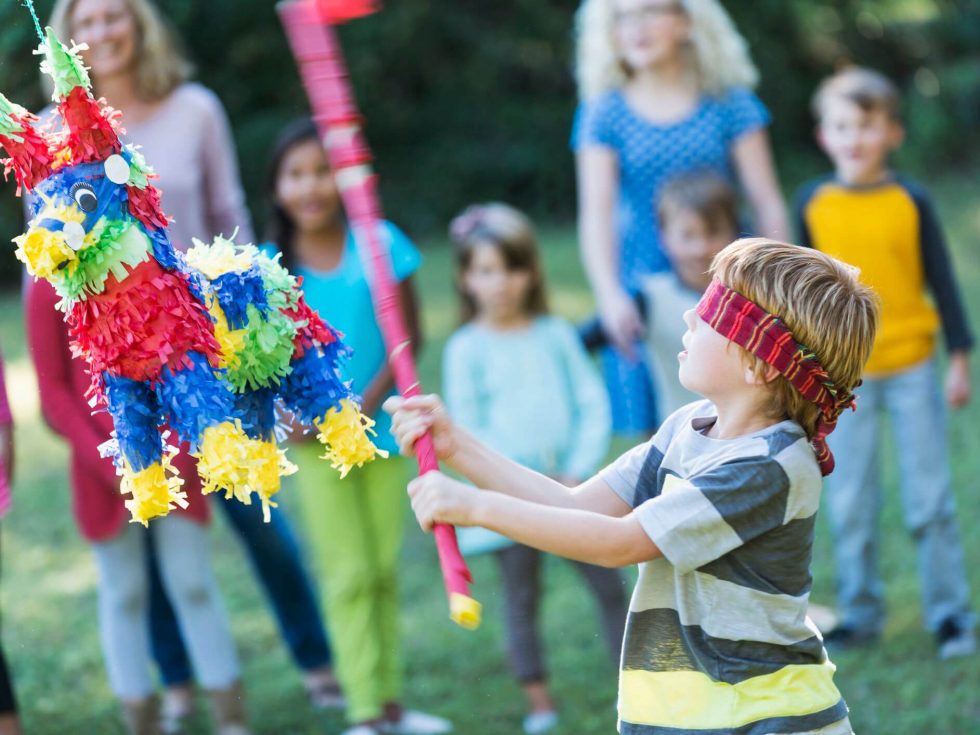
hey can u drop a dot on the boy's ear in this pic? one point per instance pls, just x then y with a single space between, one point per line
768 376
896 135
818 136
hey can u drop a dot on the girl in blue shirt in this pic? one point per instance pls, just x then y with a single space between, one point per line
665 88
356 524
520 380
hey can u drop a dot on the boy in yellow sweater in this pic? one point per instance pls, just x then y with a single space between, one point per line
867 215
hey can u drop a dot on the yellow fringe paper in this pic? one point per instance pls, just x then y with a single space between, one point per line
232 341
345 435
155 490
231 461
42 251
220 257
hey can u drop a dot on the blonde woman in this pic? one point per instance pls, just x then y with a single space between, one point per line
665 88
184 133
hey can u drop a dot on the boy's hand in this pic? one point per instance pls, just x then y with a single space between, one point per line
412 417
440 499
958 380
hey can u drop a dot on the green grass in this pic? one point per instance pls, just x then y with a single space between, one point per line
48 582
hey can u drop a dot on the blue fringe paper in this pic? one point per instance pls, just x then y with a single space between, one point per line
314 386
195 398
135 412
236 291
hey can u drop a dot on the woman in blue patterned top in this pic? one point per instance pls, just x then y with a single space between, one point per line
665 87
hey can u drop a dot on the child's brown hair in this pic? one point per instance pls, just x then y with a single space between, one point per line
704 193
820 300
512 233
868 89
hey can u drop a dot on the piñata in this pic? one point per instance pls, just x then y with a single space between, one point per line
199 347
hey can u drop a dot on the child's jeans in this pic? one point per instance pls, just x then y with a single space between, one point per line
914 404
185 565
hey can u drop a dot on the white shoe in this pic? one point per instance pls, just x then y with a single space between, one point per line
540 722
413 722
362 730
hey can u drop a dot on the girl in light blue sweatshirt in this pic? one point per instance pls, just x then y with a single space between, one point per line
519 379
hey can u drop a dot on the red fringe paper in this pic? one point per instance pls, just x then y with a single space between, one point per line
91 125
30 158
315 329
144 205
135 328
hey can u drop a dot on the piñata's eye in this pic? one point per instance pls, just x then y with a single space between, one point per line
84 196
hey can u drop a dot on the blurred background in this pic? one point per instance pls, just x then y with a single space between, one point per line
468 100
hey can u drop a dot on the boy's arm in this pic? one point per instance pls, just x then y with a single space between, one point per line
944 289
576 534
490 470
485 468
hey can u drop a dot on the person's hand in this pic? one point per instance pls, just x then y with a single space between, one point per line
440 499
621 320
412 417
958 380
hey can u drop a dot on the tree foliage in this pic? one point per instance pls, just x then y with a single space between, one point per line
470 100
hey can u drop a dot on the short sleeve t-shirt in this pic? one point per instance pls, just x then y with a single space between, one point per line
342 296
649 154
717 638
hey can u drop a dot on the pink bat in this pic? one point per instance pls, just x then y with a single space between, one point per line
308 25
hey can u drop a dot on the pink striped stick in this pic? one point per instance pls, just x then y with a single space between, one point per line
309 27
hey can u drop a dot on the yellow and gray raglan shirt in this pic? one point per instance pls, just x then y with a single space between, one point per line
891 233
717 640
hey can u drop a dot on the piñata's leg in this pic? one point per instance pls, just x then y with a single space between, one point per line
267 462
147 474
229 434
316 394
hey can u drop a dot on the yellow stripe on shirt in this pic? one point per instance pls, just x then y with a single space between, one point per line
692 700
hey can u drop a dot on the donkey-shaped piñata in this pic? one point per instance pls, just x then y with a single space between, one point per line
205 343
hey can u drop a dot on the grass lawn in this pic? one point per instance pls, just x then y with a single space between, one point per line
49 607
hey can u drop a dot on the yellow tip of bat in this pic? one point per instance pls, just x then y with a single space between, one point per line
465 611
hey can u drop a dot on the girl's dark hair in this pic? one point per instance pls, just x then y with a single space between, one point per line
510 231
280 229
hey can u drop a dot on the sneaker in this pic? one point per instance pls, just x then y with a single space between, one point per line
413 722
362 730
177 709
539 722
846 638
955 641
324 693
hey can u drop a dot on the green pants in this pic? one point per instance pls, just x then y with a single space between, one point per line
355 528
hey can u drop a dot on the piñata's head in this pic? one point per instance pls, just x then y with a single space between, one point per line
93 211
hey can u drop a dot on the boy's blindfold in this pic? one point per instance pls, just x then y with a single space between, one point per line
763 334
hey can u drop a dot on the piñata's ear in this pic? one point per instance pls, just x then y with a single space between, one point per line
91 126
29 153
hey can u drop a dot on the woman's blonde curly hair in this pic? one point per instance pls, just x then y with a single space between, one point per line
717 51
161 65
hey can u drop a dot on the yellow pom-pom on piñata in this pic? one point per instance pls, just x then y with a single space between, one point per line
231 461
345 434
43 252
155 489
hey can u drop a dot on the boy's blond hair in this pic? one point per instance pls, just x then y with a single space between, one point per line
818 298
868 89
